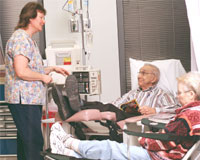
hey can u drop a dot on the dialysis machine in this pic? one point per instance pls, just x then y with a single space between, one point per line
68 55
88 80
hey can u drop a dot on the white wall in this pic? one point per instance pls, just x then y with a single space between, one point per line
104 51
57 24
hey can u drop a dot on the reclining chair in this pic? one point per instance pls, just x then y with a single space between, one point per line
165 137
87 124
79 120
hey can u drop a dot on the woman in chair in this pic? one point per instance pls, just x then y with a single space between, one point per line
185 123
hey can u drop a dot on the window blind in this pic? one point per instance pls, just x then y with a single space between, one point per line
152 30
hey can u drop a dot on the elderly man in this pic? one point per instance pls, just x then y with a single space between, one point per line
149 97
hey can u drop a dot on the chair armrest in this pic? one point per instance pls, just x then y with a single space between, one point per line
85 115
158 136
153 124
161 136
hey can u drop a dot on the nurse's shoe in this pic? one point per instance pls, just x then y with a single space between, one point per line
71 88
62 102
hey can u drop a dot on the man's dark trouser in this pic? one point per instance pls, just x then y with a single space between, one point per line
120 115
29 134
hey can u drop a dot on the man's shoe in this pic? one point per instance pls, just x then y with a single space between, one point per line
62 102
71 88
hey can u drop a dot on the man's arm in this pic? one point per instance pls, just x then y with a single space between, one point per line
162 102
124 99
167 103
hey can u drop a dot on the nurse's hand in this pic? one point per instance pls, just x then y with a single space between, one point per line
61 71
46 79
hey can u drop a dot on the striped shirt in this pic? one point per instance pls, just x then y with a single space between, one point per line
153 97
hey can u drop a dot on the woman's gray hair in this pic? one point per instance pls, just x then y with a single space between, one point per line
192 81
155 71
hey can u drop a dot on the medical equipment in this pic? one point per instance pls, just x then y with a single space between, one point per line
66 53
77 10
89 80
71 6
74 24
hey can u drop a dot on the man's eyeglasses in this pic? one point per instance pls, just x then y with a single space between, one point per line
144 73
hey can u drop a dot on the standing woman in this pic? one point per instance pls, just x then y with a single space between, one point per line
25 81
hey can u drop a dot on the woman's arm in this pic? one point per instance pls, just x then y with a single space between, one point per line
56 69
24 72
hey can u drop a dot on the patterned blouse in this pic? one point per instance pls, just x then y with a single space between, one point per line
185 123
17 90
153 97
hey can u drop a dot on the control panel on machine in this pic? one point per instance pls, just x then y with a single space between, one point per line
88 81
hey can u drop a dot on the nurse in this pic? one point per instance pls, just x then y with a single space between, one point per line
25 81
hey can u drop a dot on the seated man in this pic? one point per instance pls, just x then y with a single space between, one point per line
185 123
149 97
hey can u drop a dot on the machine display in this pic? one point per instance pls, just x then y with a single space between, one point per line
88 81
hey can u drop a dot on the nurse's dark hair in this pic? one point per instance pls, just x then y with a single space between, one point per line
29 11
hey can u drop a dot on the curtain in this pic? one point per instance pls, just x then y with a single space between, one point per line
193 12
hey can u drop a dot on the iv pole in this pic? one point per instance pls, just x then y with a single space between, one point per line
80 13
82 35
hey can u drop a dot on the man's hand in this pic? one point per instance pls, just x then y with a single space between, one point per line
147 110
